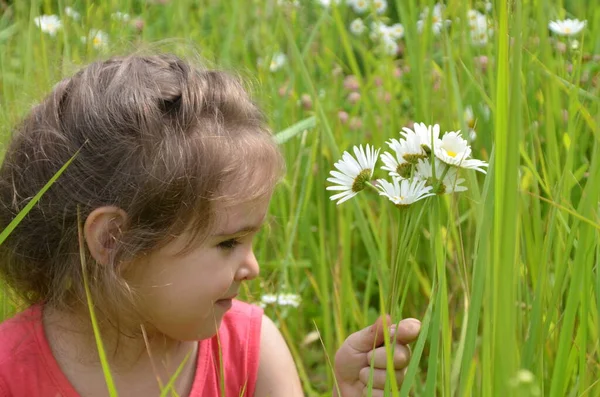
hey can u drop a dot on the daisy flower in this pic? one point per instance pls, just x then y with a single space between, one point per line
426 135
71 13
450 183
380 31
121 16
407 151
390 46
99 38
380 6
280 299
452 149
470 121
353 173
396 31
357 27
327 3
48 24
396 165
567 27
277 62
404 192
479 28
359 6
437 21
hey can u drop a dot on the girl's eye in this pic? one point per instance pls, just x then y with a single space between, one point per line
228 244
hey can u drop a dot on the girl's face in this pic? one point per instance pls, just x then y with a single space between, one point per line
184 296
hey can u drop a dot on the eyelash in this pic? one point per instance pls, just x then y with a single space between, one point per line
229 244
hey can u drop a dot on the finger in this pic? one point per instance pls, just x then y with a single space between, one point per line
378 357
379 377
407 330
366 339
372 393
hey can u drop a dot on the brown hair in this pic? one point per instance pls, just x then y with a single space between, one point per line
159 137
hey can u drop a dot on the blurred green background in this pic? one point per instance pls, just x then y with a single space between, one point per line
504 276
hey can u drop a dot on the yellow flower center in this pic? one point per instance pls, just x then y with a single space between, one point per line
360 182
567 29
451 153
97 41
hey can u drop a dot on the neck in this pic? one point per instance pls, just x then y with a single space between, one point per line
129 349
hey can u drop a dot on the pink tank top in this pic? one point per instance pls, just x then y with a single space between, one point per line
28 368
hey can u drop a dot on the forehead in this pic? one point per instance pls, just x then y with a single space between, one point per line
231 218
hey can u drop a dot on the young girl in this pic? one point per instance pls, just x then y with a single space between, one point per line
173 171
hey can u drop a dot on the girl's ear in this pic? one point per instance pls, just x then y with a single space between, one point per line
101 231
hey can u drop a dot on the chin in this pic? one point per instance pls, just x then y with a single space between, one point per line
206 330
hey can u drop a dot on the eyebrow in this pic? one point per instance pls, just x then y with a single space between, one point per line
243 231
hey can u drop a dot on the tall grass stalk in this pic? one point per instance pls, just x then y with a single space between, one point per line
504 277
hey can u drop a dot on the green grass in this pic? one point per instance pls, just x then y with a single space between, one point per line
504 276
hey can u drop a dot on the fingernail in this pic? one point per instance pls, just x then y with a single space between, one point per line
392 330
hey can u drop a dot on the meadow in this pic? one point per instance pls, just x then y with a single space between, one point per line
504 275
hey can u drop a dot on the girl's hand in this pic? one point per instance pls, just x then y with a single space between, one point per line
353 360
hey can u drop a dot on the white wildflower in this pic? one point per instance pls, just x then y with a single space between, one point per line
407 151
121 16
470 121
380 6
567 27
404 192
390 46
357 27
48 24
359 6
479 28
277 61
71 13
452 149
426 135
396 31
353 173
98 38
450 183
284 299
437 21
327 3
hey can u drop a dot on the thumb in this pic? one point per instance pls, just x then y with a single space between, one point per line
369 338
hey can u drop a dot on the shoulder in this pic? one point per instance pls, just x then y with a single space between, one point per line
277 372
19 353
18 336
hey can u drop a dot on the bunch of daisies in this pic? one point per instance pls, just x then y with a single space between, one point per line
420 164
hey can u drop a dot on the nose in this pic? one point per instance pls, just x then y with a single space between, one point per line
248 268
